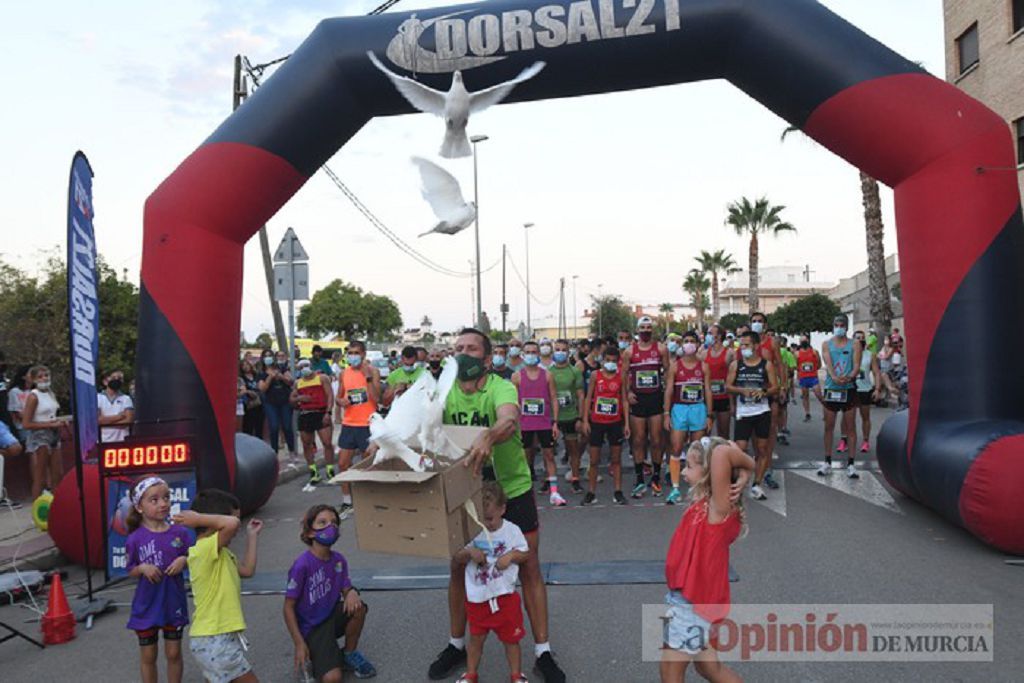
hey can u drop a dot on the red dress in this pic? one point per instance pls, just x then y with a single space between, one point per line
697 564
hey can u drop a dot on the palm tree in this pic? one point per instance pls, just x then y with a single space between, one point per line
713 264
878 284
696 285
754 219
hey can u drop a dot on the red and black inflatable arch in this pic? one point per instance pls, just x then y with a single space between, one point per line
959 450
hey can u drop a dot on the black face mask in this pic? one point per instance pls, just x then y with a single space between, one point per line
435 365
115 384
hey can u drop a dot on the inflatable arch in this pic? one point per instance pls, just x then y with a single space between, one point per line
959 450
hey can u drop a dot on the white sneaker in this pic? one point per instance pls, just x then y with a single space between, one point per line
757 493
556 499
852 473
824 470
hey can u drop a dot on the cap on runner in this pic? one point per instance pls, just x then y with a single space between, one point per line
644 320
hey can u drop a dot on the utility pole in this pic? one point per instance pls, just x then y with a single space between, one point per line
240 92
529 319
561 308
478 311
600 306
807 273
472 299
504 303
575 326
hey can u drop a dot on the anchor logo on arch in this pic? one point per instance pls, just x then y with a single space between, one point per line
405 49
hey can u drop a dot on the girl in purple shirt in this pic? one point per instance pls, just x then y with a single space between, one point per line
157 555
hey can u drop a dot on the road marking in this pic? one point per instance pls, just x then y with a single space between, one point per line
867 488
776 500
410 577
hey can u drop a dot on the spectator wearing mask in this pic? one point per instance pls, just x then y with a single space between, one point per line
404 376
434 363
276 385
17 393
319 363
252 403
42 432
116 410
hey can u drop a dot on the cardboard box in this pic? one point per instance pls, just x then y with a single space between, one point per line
402 512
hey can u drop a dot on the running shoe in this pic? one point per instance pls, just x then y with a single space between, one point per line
449 658
769 480
655 488
467 678
520 678
807 417
314 476
556 499
589 499
358 664
865 447
576 488
674 496
545 487
851 472
842 445
549 669
824 470
10 504
620 499
345 511
783 439
639 490
330 472
757 493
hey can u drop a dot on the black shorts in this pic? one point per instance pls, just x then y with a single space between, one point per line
758 425
648 405
354 438
522 511
599 433
311 421
150 636
543 436
721 405
568 429
866 398
849 403
322 641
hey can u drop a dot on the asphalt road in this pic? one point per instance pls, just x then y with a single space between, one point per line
835 544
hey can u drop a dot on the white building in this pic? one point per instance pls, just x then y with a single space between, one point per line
777 286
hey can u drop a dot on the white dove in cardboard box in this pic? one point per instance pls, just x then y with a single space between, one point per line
412 431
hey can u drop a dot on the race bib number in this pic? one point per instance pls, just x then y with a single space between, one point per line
607 406
717 388
564 399
533 407
357 396
750 400
807 367
836 395
692 393
647 379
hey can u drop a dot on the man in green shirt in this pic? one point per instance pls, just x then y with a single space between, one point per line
402 377
569 390
319 363
482 399
873 341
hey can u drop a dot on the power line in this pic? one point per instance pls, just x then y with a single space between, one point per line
515 270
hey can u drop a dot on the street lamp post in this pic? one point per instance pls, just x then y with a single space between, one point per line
529 320
574 277
600 321
476 229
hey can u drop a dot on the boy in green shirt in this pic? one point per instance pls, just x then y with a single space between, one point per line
216 637
402 377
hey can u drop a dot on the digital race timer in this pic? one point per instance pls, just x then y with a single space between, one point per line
141 455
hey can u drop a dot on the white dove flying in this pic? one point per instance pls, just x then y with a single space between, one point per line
456 105
442 192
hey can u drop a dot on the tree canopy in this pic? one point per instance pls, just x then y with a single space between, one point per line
346 310
813 313
730 321
611 315
34 311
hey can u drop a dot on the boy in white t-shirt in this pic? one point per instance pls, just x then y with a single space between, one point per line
492 604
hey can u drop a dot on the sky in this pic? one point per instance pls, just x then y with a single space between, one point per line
624 189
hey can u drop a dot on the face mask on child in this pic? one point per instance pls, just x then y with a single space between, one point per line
327 536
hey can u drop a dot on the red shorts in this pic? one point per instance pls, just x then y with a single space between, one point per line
507 622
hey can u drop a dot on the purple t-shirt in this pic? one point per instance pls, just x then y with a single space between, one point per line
163 603
316 587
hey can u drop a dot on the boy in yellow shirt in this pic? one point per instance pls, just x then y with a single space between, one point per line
216 637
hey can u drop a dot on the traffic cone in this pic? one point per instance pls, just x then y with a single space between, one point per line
58 623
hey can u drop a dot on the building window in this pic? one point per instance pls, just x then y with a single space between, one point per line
1018 130
967 48
1018 15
